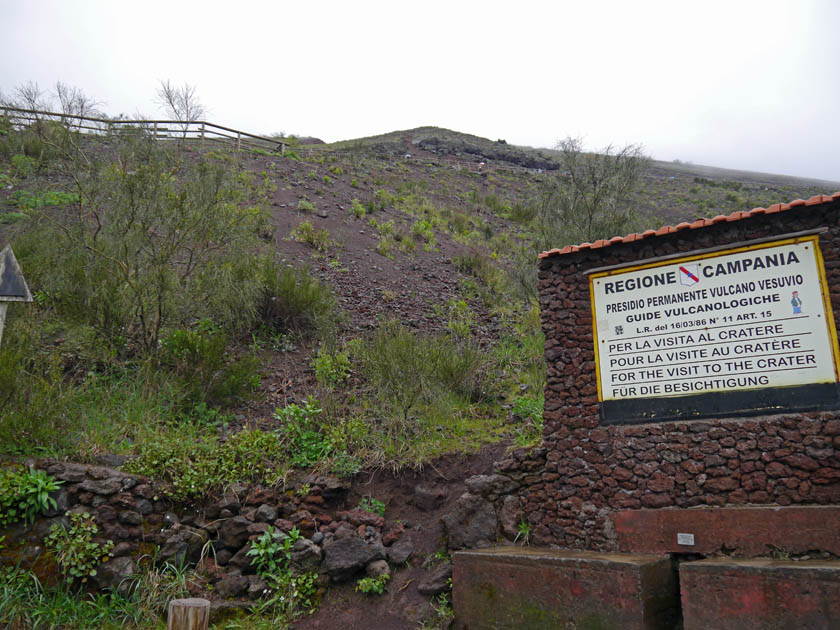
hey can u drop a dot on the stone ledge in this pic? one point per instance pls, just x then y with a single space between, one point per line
512 588
745 532
729 594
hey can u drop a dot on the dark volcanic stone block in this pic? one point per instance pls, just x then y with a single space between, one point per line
514 588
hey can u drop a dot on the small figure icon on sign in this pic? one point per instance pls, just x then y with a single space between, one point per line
796 303
619 330
689 275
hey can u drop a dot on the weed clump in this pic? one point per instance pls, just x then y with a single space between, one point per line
296 302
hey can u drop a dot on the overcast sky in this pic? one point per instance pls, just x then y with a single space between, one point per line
735 83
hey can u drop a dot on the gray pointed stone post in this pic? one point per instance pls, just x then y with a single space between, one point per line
12 285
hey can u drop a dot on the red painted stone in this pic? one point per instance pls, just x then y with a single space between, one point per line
726 594
514 588
745 532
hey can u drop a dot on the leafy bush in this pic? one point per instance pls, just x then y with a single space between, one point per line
197 463
373 586
372 505
423 230
198 357
26 200
308 444
384 247
531 411
147 250
23 165
381 199
295 301
357 209
407 368
318 239
74 549
529 408
25 493
480 265
271 553
304 205
331 368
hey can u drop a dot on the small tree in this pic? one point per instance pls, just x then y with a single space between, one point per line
181 103
73 102
591 198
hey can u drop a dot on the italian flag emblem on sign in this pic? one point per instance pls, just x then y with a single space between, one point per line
689 274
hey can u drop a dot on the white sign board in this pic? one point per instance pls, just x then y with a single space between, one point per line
740 319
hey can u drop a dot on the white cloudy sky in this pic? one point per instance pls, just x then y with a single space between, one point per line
735 83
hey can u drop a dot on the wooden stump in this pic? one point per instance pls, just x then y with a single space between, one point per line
189 614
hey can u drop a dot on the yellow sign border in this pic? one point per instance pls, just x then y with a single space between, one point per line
814 239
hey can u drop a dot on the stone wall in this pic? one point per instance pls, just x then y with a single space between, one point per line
586 471
130 510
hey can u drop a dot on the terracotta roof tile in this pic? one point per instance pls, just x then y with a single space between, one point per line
699 223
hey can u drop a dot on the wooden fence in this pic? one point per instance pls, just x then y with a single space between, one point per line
194 130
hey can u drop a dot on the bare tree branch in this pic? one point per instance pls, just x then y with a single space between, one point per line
181 103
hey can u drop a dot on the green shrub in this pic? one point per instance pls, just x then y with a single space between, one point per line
271 553
24 494
148 250
26 200
460 318
8 218
522 213
374 506
74 549
307 443
304 205
407 368
23 165
531 411
318 239
373 586
479 264
331 368
422 229
198 357
385 246
197 463
381 199
294 301
407 244
357 209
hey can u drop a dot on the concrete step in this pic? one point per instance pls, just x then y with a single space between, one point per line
530 588
730 594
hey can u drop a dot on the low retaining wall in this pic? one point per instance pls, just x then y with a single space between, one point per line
514 588
744 532
733 595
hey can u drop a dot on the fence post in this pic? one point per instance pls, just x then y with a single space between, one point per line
238 141
154 130
201 135
188 614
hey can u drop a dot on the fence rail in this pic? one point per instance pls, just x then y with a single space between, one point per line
200 130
